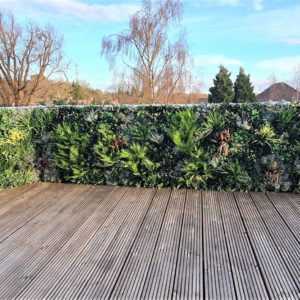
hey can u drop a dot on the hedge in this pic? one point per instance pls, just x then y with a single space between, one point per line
219 147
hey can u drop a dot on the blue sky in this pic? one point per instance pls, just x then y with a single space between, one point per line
263 36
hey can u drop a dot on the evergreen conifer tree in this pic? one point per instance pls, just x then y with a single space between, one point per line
222 91
243 89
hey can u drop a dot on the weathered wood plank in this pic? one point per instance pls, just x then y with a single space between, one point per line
287 244
97 242
189 271
18 205
294 200
9 194
131 280
88 272
278 279
160 278
68 254
287 211
247 277
49 197
21 270
217 269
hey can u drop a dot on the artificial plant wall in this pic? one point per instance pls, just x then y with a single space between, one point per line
227 147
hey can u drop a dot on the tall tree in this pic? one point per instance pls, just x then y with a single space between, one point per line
296 80
28 55
156 61
76 91
222 90
243 88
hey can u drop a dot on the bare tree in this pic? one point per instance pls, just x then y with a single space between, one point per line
156 62
296 80
28 55
272 79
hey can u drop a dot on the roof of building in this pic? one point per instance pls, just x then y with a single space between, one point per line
277 92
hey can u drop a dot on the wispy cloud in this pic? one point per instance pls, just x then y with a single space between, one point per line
280 25
215 60
282 64
70 9
257 4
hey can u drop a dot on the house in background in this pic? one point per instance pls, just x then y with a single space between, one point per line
277 92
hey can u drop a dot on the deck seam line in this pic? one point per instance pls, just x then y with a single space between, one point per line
54 254
227 249
132 244
156 242
274 242
203 244
293 205
253 250
87 243
29 220
288 226
179 243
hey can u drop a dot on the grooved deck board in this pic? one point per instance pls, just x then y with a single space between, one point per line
189 272
287 211
61 241
160 278
9 194
287 244
61 263
22 269
279 281
294 200
130 281
217 270
247 277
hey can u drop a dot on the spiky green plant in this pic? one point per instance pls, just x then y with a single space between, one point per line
214 122
71 151
136 160
107 156
182 130
284 118
197 170
234 177
265 136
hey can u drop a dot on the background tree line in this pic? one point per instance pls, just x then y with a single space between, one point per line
153 51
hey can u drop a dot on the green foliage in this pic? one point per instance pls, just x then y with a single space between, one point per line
248 146
105 149
222 90
136 160
285 119
77 92
197 171
243 89
214 122
71 152
182 129
265 136
16 150
234 177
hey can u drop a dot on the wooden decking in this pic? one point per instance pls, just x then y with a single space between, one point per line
92 242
